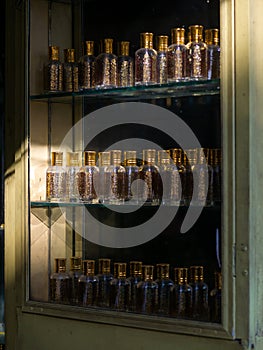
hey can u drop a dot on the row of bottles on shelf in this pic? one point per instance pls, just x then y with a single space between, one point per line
195 60
169 181
186 296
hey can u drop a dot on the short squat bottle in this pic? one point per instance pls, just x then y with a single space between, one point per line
74 273
125 65
134 278
131 175
72 176
146 61
87 66
200 294
106 66
104 276
165 286
70 71
56 177
59 283
147 292
215 299
88 284
177 56
213 53
120 288
197 54
89 178
53 71
162 59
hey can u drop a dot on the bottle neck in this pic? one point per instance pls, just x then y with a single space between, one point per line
178 36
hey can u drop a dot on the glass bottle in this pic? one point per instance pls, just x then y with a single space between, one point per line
88 284
189 159
106 66
125 64
131 175
162 59
89 178
56 177
213 53
147 292
117 174
70 71
104 276
59 283
74 274
87 67
146 61
72 176
165 286
197 54
215 159
134 278
104 189
215 299
176 155
200 294
182 294
177 56
120 288
149 173
53 71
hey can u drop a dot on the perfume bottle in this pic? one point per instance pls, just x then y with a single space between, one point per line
213 53
200 294
117 176
120 288
215 299
162 59
182 294
106 66
189 159
56 177
104 187
59 283
89 178
134 278
53 71
197 53
177 56
87 66
165 286
74 274
125 65
104 278
150 192
72 176
131 175
147 292
146 61
178 195
88 284
70 71
215 159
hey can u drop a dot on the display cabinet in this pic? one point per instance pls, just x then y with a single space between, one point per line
133 219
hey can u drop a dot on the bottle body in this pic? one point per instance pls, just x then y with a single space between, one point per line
200 294
70 72
59 283
177 62
53 71
56 179
165 286
197 54
145 67
88 183
87 290
182 301
104 279
120 288
213 62
87 72
147 292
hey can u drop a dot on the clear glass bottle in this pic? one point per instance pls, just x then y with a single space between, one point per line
134 278
56 179
59 283
162 59
182 294
120 288
146 61
215 159
72 176
213 53
197 54
106 66
189 159
178 195
70 71
88 284
125 64
117 174
177 56
131 175
104 187
74 273
147 292
200 294
165 286
150 192
87 67
89 178
104 276
215 299
53 71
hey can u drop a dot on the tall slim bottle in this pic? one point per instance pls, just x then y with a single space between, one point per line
213 53
165 286
70 71
104 277
125 65
178 189
53 71
200 294
87 66
72 176
182 294
177 56
146 61
106 66
215 299
117 174
147 292
59 283
104 177
120 288
197 54
215 160
162 59
89 178
56 179
189 159
74 274
134 278
131 175
88 284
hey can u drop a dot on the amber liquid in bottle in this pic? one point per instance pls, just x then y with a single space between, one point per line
197 54
70 72
53 71
88 285
125 65
120 288
162 59
117 178
87 67
165 286
59 283
89 178
106 66
177 56
56 179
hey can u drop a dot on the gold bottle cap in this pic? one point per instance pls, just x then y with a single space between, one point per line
69 55
196 33
90 158
146 40
149 156
88 267
53 53
162 271
196 273
176 155
218 280
89 48
104 158
162 42
57 158
130 158
135 268
73 159
148 272
178 36
106 45
212 36
124 48
116 157
60 264
190 156
120 270
181 275
75 263
104 266
163 157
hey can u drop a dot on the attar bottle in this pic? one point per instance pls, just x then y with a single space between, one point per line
53 71
104 278
215 160
56 179
74 274
70 71
59 283
87 67
117 178
89 178
120 288
215 299
177 56
165 286
162 59
125 65
182 295
189 159
176 155
104 190
197 54
200 294
73 176
147 292
131 175
134 278
213 53
106 66
88 285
